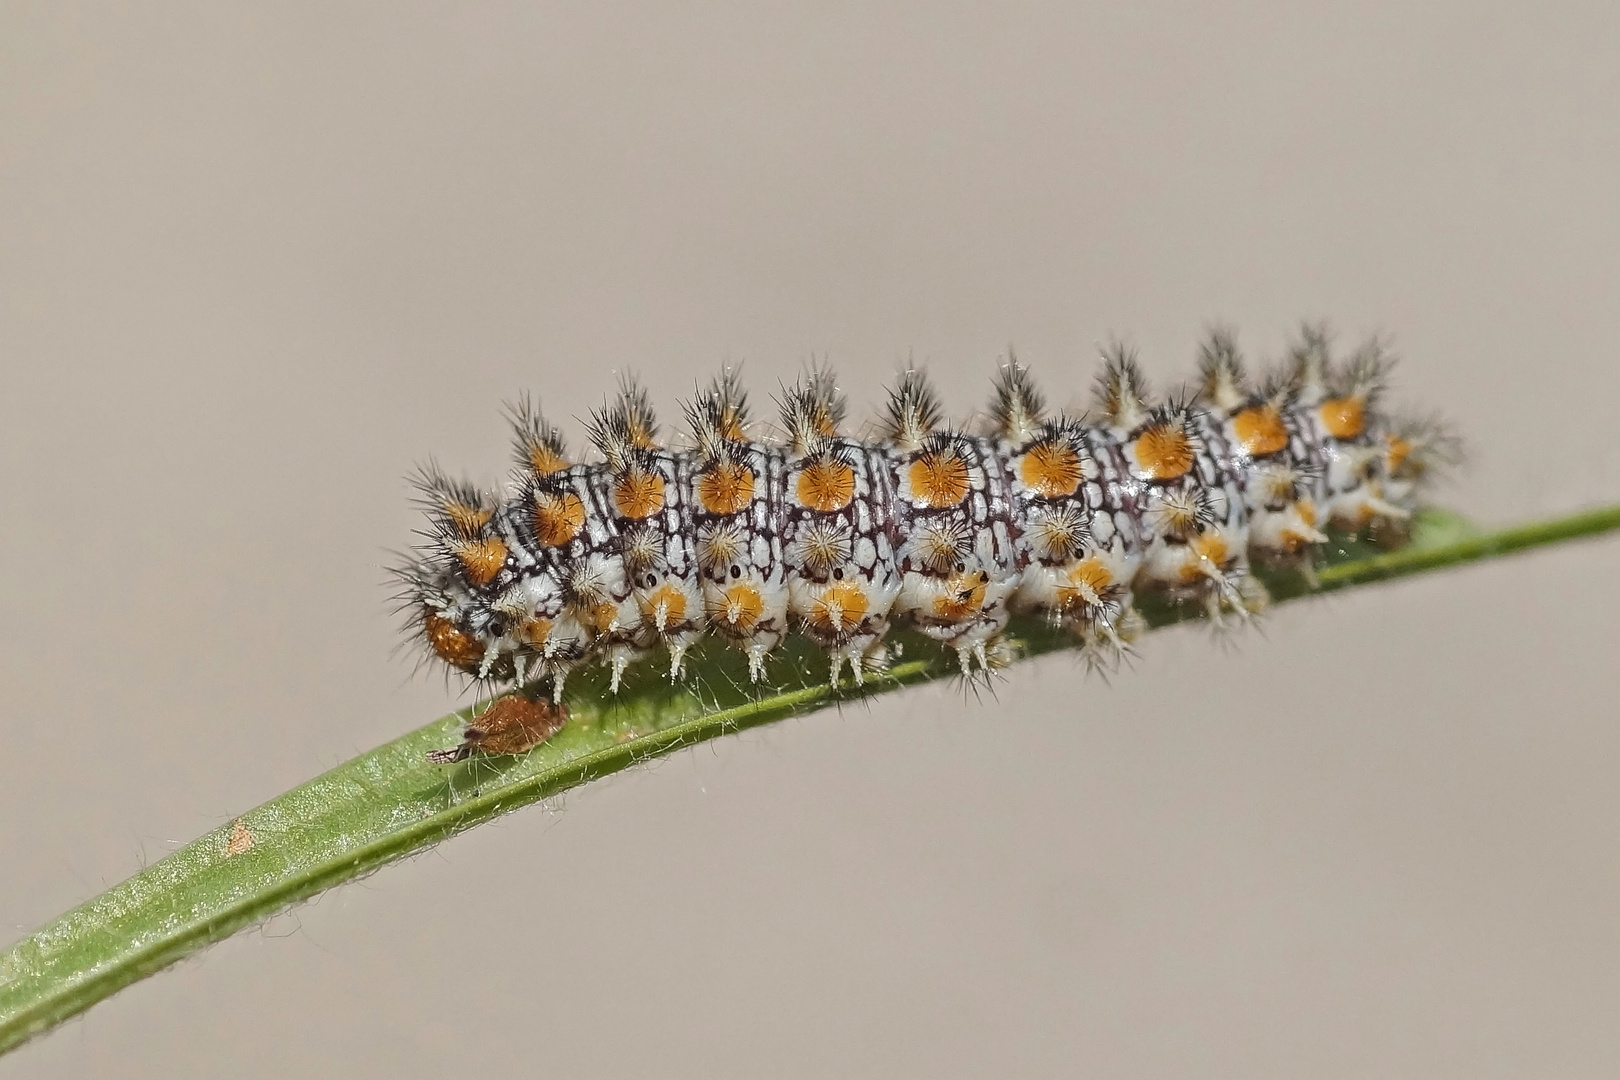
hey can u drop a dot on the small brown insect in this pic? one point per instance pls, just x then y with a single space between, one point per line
511 725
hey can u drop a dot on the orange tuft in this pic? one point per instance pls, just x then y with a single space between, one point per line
670 600
1260 430
1396 452
839 609
725 488
1307 511
741 608
535 631
467 520
1209 546
730 424
824 419
544 460
1051 470
1087 580
1212 546
1293 542
826 485
450 644
1344 418
639 494
481 559
558 518
939 480
637 432
602 616
963 597
1163 452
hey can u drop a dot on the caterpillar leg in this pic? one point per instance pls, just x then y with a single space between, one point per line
559 676
864 653
751 615
758 648
1253 594
619 658
850 654
677 644
566 646
1107 633
1223 595
972 641
991 654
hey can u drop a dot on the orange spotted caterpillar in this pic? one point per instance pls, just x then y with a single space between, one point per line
950 531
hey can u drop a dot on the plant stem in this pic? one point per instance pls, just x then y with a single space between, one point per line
1420 557
391 802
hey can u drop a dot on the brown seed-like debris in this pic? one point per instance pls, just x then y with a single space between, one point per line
511 725
240 839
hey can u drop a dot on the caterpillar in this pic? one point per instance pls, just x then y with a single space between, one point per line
950 530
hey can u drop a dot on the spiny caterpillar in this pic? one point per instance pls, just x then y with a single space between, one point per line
949 530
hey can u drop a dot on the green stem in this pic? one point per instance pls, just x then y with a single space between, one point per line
1420 557
391 802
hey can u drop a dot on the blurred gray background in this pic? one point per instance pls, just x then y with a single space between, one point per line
256 260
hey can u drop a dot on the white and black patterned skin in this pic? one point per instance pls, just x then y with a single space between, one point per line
1207 557
1281 475
743 573
958 597
837 537
567 582
1065 570
1118 503
841 570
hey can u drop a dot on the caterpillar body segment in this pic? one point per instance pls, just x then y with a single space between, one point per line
961 554
839 538
949 531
